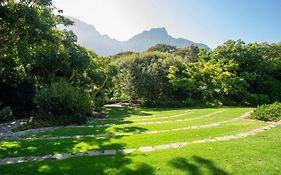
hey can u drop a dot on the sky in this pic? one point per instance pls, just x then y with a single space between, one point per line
211 22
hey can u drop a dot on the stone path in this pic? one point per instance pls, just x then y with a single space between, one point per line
13 160
143 118
157 122
14 135
6 128
245 115
18 135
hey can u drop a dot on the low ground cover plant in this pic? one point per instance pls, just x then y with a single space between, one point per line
270 112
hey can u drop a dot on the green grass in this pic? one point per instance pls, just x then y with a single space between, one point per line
228 114
258 154
21 148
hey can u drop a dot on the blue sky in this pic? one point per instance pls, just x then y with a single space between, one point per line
208 21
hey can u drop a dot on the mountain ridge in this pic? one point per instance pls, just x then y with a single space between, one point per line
89 37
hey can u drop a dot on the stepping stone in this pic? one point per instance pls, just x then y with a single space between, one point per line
199 141
80 154
127 151
178 145
162 147
94 153
47 157
146 149
62 156
109 152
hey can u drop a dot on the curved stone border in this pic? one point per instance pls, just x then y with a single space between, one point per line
157 122
142 119
135 133
13 160
17 135
6 128
163 117
10 135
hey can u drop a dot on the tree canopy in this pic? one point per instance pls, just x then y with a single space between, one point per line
234 73
34 53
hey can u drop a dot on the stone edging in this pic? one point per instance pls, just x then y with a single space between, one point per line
13 160
245 115
17 135
158 122
142 118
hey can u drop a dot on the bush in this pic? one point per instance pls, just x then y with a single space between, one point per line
98 103
62 104
271 112
257 99
6 114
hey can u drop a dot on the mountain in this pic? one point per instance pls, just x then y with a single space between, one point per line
90 38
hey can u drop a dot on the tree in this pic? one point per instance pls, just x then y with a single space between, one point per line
144 76
24 26
34 53
163 48
257 64
207 81
189 53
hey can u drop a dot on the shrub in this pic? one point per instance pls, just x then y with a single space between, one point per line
98 103
257 99
271 112
62 104
6 114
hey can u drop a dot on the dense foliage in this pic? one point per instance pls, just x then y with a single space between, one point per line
232 74
270 112
144 76
208 81
34 53
62 104
259 65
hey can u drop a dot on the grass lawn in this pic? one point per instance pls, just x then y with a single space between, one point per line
259 154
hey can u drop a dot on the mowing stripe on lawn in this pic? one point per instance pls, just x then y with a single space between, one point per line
41 130
124 129
143 119
144 132
147 113
13 160
44 147
156 122
133 119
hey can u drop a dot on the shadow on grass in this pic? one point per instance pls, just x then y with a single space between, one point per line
193 166
40 147
101 165
130 129
122 112
117 165
44 147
